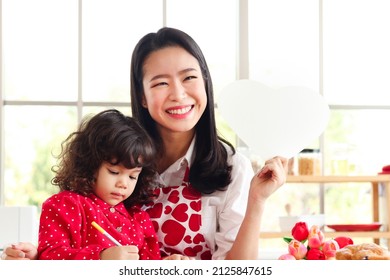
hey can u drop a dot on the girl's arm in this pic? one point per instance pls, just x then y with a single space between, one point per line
62 230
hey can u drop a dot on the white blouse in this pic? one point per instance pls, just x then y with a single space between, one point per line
222 211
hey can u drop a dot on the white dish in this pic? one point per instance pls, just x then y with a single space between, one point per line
286 223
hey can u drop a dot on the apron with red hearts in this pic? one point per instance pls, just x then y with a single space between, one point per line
176 216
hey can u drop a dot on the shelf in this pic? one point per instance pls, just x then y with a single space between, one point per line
332 234
375 180
337 179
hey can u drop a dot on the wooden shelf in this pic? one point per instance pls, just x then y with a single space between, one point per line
332 234
338 179
374 180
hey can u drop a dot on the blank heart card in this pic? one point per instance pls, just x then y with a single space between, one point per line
273 122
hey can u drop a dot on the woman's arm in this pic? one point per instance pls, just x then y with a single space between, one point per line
263 184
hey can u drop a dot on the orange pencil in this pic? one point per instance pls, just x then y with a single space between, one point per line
99 228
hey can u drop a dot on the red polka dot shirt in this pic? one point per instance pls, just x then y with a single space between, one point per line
66 233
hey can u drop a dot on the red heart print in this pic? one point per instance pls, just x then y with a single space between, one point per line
198 238
173 196
190 193
206 255
192 251
196 205
167 210
155 211
174 232
198 248
188 239
167 189
170 251
179 213
195 222
189 252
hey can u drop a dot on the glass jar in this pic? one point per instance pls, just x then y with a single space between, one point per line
309 162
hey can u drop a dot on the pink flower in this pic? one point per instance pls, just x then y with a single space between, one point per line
316 237
317 247
297 249
315 254
329 248
300 231
286 257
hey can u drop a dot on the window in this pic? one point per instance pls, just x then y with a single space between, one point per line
65 59
325 46
61 60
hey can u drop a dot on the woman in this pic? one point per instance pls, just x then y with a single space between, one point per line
200 211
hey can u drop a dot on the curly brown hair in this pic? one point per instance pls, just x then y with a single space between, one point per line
110 137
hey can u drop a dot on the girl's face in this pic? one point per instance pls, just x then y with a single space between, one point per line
175 94
115 183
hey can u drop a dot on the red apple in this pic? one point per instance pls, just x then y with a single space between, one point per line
343 241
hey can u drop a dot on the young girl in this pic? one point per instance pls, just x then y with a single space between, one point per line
106 169
210 205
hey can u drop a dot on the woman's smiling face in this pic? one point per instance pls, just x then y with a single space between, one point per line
174 89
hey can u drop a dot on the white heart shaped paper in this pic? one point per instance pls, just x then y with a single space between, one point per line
273 122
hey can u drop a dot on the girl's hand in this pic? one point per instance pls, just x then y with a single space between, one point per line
268 179
129 252
20 251
177 257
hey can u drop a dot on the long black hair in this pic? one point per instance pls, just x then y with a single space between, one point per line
210 170
108 136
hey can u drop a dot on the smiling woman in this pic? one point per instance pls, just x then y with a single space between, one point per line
166 83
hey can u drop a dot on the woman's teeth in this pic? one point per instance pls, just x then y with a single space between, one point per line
180 111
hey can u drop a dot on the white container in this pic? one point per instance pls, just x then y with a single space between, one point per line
286 223
18 224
